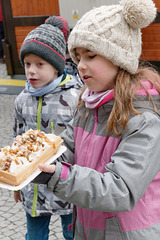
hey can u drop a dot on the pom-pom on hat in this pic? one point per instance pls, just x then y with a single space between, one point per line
48 41
114 32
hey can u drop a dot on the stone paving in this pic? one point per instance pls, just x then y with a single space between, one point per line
12 215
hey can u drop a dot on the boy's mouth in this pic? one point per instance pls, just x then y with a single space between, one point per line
33 80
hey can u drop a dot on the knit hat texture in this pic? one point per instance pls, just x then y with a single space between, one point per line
48 41
114 32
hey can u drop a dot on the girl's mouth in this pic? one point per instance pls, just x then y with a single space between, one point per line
86 78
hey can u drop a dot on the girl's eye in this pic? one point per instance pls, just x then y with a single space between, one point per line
40 64
92 56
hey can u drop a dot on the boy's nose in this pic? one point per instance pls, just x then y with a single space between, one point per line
32 69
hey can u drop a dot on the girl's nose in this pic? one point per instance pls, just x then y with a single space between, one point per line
81 66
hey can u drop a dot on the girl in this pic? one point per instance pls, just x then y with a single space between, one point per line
111 170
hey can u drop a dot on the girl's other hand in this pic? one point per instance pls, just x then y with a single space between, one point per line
47 168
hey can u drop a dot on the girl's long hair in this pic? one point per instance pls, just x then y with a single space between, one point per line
124 94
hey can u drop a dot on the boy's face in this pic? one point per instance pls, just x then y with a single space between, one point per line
39 72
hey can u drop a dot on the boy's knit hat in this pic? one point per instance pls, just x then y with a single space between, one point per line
114 32
48 41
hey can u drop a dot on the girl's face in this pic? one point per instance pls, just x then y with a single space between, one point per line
39 72
98 73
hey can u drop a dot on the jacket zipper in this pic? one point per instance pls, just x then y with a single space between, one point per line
93 134
35 195
90 144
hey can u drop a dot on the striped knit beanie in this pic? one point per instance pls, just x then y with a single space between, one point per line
48 41
114 32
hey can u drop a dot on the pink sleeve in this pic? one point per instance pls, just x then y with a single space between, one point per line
65 170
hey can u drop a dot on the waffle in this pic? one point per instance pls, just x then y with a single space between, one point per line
21 159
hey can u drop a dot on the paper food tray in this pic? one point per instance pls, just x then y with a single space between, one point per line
61 150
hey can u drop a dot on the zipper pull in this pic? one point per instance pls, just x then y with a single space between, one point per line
51 131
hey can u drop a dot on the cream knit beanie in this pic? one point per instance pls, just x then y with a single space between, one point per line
114 32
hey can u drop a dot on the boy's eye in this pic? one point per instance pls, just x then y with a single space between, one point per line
40 64
26 63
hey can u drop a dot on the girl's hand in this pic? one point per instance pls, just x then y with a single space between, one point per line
47 168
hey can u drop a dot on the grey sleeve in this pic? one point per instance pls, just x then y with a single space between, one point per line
18 121
132 168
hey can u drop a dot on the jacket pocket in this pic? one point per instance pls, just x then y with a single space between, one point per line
113 230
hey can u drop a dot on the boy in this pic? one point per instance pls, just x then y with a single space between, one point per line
47 103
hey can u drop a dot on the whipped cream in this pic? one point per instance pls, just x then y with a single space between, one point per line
24 150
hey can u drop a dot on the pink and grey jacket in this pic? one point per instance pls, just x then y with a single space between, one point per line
114 182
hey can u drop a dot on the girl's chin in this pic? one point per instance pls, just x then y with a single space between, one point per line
97 89
93 89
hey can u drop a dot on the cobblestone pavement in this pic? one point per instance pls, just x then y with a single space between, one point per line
12 215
